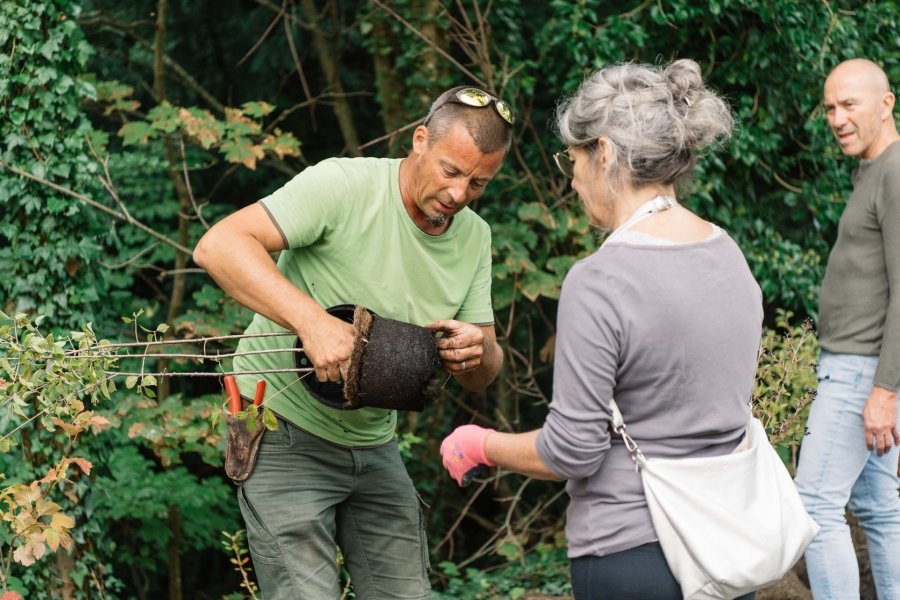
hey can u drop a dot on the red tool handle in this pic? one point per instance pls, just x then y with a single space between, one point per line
260 392
234 395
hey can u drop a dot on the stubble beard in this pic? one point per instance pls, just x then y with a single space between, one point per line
438 219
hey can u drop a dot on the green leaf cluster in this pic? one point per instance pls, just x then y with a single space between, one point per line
544 570
786 382
50 243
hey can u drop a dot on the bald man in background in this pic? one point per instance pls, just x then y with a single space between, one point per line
849 457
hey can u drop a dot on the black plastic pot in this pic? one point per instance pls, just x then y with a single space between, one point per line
328 393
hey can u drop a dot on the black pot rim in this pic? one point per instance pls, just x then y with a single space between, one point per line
329 393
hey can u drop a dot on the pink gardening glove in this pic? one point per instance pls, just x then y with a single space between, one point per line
463 452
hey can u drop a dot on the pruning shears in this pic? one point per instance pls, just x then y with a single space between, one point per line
235 403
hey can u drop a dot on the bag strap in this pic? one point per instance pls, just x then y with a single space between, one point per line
618 423
619 427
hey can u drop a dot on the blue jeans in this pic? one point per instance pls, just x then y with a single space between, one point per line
836 470
306 497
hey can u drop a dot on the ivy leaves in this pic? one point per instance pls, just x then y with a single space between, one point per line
44 265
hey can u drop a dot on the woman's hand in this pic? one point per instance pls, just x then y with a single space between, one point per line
462 452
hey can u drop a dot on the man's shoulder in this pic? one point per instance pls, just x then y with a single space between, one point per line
351 178
892 152
343 172
475 219
891 167
357 164
885 165
468 223
878 180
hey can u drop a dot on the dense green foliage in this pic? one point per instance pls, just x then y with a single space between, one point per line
51 248
170 128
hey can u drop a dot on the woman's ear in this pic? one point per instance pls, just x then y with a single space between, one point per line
604 151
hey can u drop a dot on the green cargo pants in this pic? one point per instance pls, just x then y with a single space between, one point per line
306 497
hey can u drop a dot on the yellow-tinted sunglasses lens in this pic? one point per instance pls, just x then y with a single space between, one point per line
474 97
504 111
480 98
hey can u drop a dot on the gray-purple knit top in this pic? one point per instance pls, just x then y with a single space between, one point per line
672 333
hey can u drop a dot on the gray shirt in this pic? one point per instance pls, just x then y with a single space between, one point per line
859 305
672 333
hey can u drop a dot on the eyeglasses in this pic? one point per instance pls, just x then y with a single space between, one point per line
478 99
565 164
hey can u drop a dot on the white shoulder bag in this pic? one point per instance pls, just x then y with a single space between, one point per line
728 525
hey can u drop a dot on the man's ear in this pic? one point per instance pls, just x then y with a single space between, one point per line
420 139
887 104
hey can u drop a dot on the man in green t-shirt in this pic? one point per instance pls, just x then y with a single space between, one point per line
395 236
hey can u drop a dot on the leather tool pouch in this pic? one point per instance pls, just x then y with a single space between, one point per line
242 445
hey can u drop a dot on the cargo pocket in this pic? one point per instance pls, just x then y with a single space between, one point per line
264 547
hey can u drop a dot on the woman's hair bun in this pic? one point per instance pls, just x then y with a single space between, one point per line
684 79
657 118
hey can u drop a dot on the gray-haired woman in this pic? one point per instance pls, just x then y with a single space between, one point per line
665 317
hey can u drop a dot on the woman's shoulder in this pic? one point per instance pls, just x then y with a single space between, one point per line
600 269
622 261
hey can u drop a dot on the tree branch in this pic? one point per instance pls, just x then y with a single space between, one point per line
115 214
430 43
329 59
186 78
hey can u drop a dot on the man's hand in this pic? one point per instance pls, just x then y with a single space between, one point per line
328 342
462 452
462 346
880 420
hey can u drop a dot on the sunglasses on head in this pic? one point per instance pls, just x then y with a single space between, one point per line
477 99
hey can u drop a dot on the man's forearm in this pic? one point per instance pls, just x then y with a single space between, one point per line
479 378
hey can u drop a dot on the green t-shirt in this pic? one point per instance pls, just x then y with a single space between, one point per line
350 241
